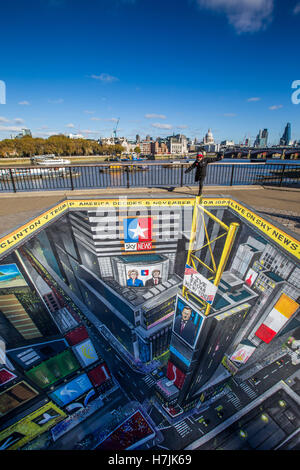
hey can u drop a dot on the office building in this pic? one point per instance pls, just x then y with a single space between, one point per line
245 256
286 138
197 347
94 261
261 140
178 144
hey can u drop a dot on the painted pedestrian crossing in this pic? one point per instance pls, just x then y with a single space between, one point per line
149 381
234 399
248 390
183 428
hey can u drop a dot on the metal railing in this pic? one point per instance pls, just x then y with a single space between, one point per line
145 174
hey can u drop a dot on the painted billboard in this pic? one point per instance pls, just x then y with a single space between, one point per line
143 276
77 336
251 277
28 357
10 276
175 375
187 322
129 435
16 396
72 390
49 372
199 285
85 353
242 353
6 376
28 428
280 314
76 418
99 375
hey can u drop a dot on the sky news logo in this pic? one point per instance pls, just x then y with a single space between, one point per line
296 93
2 92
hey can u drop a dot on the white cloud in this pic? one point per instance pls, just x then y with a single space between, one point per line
24 103
10 129
155 116
182 126
160 125
296 9
58 101
19 121
89 132
89 112
95 119
254 98
45 134
4 119
246 16
70 125
275 106
105 77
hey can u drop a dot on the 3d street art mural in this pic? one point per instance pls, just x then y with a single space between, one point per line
144 312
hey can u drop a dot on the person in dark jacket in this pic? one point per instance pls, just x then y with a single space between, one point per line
155 279
200 164
184 325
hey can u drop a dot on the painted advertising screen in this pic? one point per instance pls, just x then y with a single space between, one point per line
199 285
54 369
280 314
85 353
250 277
242 353
81 402
36 353
143 276
30 427
187 322
16 396
128 435
6 376
10 276
71 390
230 366
175 375
77 336
99 375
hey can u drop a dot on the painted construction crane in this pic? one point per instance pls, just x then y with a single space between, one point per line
193 258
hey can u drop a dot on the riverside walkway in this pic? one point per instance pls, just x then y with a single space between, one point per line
280 204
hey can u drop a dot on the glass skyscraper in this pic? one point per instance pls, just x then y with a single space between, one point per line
287 135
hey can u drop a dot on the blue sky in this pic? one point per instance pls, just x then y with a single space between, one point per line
160 66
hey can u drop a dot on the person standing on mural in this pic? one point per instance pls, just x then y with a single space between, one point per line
200 164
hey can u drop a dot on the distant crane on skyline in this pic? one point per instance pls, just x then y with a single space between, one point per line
115 129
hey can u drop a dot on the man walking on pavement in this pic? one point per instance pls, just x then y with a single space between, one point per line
200 164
